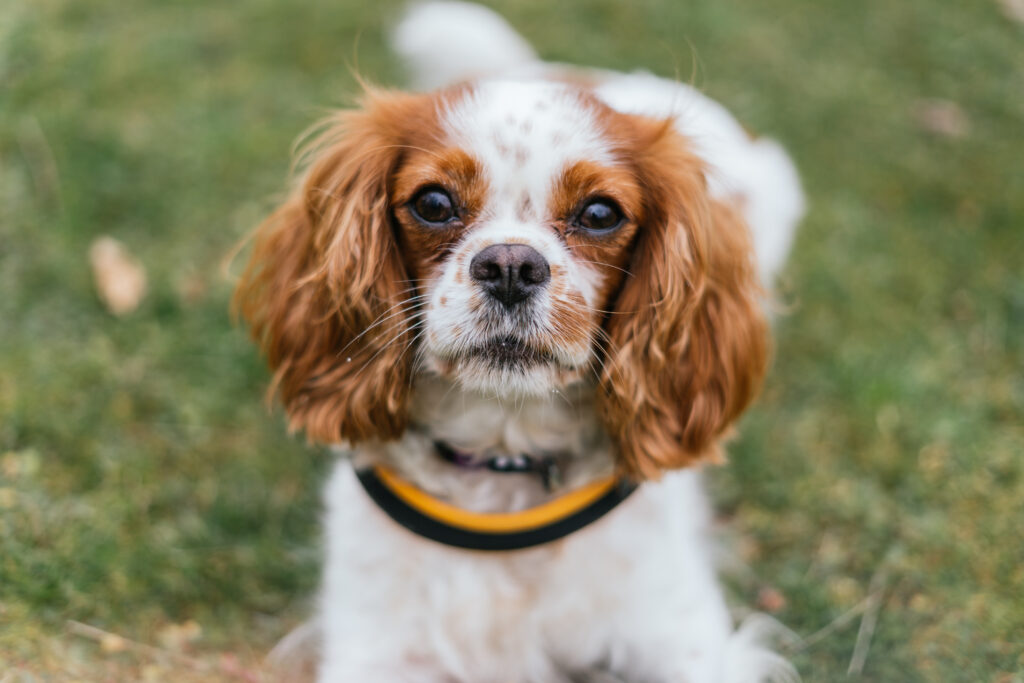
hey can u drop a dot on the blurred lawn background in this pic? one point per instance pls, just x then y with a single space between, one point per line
876 493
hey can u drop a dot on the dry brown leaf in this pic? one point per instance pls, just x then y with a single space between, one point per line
1013 9
942 117
120 278
771 599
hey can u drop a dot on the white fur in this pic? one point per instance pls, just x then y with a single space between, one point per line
634 596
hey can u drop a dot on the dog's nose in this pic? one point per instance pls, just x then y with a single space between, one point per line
510 272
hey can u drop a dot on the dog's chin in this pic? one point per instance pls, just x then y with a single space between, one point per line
506 367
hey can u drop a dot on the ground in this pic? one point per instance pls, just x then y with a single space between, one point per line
156 523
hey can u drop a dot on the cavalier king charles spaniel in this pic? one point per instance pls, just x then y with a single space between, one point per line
522 305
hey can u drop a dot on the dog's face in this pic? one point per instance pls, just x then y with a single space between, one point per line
513 238
516 217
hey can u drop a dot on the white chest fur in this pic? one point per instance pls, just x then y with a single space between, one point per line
634 593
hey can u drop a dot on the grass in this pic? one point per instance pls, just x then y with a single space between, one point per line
145 492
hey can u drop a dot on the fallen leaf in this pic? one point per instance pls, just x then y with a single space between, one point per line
942 117
771 599
1013 9
120 278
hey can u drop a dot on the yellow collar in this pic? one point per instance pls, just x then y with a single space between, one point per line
439 521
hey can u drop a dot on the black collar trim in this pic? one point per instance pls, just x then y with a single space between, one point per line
438 521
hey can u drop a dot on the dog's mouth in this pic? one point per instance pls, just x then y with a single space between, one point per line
510 352
506 364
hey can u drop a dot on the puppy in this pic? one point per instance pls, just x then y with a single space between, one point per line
523 305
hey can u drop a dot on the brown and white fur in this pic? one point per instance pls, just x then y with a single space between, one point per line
635 353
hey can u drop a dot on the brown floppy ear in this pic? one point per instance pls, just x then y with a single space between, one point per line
688 344
323 289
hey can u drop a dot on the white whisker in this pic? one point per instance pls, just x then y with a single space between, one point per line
381 320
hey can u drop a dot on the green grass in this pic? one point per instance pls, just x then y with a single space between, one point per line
142 484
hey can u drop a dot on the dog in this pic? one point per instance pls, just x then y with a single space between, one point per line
524 304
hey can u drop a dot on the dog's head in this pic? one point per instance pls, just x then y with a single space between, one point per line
515 238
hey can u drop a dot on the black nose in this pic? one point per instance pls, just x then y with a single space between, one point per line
510 272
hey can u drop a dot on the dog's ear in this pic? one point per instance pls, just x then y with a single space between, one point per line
323 289
688 343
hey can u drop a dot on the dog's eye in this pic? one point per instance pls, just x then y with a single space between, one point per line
433 206
600 215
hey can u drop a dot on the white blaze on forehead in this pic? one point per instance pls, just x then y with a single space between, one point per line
524 134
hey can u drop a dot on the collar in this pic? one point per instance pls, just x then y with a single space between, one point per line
445 523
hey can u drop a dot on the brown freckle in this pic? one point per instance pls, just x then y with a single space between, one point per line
457 330
525 207
459 277
557 270
500 143
443 301
521 154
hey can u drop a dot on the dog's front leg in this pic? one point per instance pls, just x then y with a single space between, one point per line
715 655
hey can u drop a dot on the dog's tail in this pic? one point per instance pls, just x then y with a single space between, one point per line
775 204
447 42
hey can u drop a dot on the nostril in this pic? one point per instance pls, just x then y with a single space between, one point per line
533 268
488 265
534 271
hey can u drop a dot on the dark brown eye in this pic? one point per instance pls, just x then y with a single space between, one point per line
600 215
433 206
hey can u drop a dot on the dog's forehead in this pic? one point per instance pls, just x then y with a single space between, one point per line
524 135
